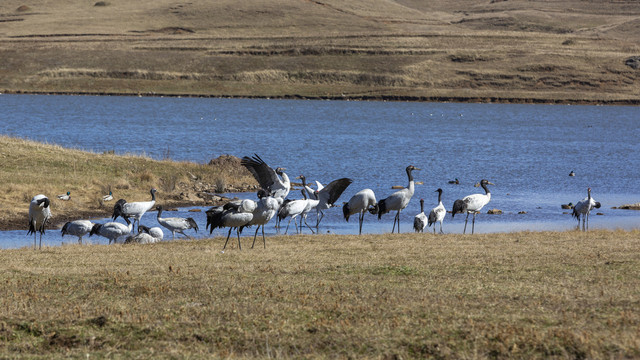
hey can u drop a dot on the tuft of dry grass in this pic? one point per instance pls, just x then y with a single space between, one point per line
31 168
524 295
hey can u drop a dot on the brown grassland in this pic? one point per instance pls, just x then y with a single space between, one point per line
30 168
569 295
565 51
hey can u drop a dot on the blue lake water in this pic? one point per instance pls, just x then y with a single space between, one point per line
526 150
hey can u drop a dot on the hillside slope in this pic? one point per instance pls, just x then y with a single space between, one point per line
516 50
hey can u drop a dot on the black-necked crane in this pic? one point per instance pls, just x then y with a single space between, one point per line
398 200
420 220
134 210
472 204
437 213
39 215
77 228
275 182
65 197
142 237
583 208
230 215
176 224
328 195
266 209
363 201
269 179
112 230
312 203
155 231
293 208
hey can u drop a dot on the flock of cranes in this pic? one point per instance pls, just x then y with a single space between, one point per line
272 202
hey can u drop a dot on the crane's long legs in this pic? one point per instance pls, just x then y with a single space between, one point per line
289 223
465 224
473 223
256 234
305 222
360 221
238 232
587 221
397 218
434 227
319 217
225 243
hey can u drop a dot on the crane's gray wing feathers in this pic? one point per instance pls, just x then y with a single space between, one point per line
334 189
263 173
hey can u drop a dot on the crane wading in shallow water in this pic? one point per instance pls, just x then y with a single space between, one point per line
472 204
112 230
133 210
39 215
583 208
176 224
77 228
398 200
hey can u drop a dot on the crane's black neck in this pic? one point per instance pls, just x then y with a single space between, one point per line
153 195
409 174
421 205
439 195
484 186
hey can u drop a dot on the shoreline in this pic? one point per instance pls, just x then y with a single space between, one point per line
399 98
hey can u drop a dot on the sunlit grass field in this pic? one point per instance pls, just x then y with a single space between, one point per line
518 295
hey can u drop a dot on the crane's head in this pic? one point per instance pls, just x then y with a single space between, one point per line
483 182
280 170
411 168
262 194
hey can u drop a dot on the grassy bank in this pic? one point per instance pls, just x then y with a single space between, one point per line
524 295
567 51
30 168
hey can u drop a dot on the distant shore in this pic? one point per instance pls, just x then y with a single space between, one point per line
440 99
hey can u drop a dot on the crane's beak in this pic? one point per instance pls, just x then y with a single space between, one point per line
415 168
490 183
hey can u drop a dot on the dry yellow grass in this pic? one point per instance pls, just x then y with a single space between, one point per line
30 168
522 295
517 50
